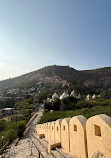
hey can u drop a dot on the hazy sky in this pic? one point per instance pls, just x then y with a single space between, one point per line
36 33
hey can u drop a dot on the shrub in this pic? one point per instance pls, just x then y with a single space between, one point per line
11 135
69 103
56 105
106 94
87 112
2 125
21 127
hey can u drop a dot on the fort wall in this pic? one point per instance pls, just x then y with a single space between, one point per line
81 137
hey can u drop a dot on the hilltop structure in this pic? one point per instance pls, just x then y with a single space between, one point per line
73 94
55 96
79 96
88 97
94 96
64 95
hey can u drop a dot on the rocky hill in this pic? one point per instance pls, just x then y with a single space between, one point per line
97 78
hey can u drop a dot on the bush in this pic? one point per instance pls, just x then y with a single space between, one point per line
69 103
21 125
2 125
106 94
17 117
26 114
9 136
87 112
86 104
56 105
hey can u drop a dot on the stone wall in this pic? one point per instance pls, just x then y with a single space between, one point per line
81 137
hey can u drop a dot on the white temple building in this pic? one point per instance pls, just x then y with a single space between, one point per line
94 96
73 94
49 99
55 96
64 95
79 96
88 97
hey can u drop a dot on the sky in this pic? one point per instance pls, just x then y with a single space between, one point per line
38 33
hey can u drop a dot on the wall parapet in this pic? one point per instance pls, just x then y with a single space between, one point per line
81 137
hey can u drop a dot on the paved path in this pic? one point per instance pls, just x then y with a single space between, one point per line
25 147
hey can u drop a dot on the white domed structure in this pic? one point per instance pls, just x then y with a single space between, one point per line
79 96
88 97
55 96
49 99
94 96
73 94
64 95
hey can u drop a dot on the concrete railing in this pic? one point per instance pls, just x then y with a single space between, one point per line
27 125
32 118
26 131
81 137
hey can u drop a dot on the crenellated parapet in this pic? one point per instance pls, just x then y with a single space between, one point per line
81 137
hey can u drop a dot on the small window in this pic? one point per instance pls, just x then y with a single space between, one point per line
64 128
97 130
57 129
75 128
52 128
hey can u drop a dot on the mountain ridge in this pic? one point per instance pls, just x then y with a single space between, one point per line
98 78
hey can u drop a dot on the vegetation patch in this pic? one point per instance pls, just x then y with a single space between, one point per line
10 130
87 112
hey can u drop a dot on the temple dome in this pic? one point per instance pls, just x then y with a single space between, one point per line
49 99
79 96
55 96
64 95
94 96
73 94
88 97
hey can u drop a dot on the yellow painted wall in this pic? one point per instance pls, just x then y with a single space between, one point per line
52 130
58 130
80 136
99 135
38 128
77 130
48 132
65 134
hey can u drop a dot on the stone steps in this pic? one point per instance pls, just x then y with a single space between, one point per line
55 153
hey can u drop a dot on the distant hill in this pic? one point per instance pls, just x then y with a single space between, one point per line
96 78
